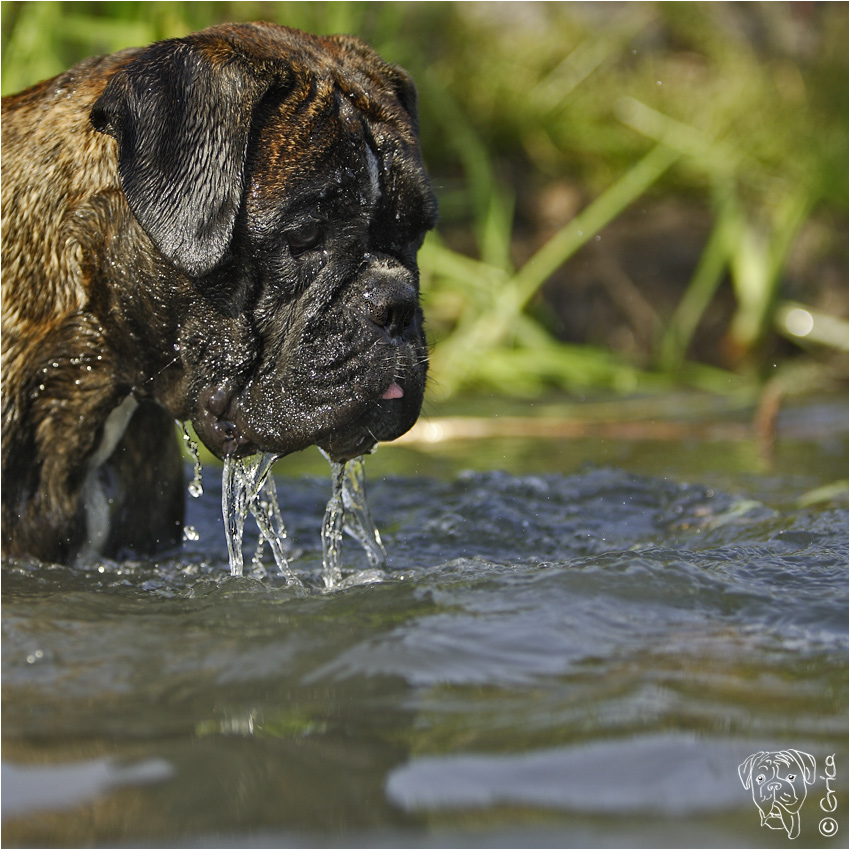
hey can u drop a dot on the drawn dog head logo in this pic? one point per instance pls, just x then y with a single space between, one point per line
778 783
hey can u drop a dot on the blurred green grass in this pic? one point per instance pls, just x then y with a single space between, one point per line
738 111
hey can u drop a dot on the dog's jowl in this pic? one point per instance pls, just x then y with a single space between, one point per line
220 228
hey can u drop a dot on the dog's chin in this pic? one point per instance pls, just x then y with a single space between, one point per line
232 430
342 448
386 420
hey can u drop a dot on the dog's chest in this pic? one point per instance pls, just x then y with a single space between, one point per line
96 502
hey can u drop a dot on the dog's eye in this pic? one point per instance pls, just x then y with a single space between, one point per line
304 238
760 778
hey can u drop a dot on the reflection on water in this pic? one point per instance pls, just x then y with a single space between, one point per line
545 659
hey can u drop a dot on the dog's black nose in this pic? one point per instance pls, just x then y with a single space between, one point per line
392 307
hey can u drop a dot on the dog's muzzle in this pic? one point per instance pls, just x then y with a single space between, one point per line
344 392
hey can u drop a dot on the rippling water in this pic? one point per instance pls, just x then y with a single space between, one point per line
549 660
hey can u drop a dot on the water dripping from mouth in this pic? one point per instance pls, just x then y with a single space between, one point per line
196 486
248 486
359 523
332 528
347 510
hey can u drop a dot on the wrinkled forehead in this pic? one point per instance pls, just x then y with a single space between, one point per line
775 761
321 128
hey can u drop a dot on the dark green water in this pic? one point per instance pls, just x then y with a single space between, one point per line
560 655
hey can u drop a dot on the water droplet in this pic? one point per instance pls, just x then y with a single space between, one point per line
196 486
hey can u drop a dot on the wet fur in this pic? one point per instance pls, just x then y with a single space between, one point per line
144 196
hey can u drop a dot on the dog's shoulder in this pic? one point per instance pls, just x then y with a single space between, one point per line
67 92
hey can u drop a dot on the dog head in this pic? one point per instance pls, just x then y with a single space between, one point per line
279 179
778 783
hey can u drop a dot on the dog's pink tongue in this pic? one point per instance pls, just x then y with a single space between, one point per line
393 391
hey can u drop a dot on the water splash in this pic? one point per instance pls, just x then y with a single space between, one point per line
248 486
347 510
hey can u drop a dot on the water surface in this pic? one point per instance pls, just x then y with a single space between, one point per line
558 655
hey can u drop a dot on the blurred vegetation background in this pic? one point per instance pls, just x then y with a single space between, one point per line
634 196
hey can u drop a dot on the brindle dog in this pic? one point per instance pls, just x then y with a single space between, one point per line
221 228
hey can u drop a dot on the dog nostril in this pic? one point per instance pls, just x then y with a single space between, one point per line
396 320
392 309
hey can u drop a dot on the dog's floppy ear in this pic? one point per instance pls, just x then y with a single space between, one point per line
181 114
745 769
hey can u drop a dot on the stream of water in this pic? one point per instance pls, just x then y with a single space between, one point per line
248 488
